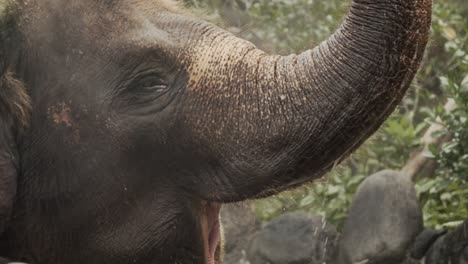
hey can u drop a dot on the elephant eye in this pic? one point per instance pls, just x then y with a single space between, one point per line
146 89
146 93
148 85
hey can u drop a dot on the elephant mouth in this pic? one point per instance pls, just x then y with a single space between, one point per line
211 230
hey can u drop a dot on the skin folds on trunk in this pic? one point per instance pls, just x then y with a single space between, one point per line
279 121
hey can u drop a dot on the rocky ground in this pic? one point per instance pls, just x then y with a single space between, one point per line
384 226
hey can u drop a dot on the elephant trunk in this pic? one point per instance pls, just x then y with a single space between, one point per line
352 82
278 121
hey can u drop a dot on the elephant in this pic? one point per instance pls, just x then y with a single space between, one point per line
451 247
126 124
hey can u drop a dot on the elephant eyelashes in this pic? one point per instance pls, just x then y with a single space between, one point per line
143 94
148 85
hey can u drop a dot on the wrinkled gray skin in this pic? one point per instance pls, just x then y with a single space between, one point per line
451 248
424 241
383 221
124 123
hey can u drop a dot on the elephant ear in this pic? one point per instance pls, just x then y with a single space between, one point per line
424 242
14 114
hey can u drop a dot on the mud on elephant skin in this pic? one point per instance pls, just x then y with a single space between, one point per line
124 125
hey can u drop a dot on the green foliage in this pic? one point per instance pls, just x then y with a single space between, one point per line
445 197
291 25
282 26
445 201
329 198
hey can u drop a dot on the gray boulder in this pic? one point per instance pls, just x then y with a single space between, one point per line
294 239
383 221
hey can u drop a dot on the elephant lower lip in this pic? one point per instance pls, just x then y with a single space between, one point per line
210 230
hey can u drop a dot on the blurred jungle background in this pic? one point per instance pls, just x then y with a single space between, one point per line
427 135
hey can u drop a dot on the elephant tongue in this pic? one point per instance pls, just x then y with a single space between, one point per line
211 230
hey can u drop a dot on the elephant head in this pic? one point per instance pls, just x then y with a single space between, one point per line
125 124
451 247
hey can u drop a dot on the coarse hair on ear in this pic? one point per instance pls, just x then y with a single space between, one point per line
15 109
15 103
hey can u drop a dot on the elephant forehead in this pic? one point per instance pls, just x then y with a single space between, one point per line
104 22
51 23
